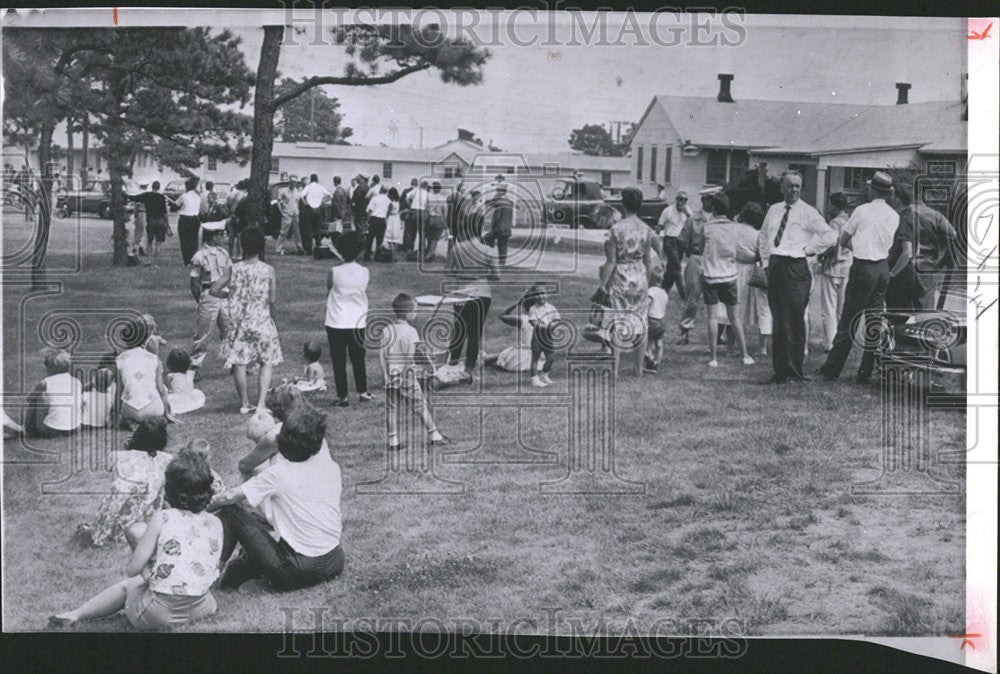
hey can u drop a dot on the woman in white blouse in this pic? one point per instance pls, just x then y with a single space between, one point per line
346 312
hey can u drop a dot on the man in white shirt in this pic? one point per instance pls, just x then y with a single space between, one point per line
792 231
313 195
671 223
831 275
378 210
188 222
869 233
288 203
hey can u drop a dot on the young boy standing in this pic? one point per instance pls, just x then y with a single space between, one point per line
657 316
398 360
719 274
208 265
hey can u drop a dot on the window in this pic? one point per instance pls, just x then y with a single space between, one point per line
666 164
605 178
941 168
638 164
716 172
275 165
213 164
739 163
652 164
855 177
387 169
449 171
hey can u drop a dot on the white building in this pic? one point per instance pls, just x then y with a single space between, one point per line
689 143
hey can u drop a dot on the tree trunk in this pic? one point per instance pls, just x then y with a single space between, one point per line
69 154
263 125
44 205
85 169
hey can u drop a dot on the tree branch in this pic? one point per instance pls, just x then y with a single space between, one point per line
311 82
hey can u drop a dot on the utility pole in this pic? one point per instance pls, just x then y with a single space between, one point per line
421 138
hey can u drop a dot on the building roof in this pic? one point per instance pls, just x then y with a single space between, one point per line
468 152
814 128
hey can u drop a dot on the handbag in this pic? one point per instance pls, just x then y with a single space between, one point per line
758 278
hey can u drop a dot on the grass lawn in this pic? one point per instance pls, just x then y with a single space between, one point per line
746 510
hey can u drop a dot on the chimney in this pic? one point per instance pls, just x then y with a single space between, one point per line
902 88
724 95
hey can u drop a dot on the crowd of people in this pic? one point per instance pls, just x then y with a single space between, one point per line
176 513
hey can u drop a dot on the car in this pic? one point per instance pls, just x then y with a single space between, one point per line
93 197
172 190
924 349
573 203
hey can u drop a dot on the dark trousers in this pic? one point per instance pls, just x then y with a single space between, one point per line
187 233
375 234
308 225
502 241
470 319
903 291
283 567
673 250
865 295
788 286
410 228
346 342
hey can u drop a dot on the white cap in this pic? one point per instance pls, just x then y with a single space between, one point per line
216 226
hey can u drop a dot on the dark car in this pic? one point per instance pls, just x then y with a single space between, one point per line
94 197
926 349
574 203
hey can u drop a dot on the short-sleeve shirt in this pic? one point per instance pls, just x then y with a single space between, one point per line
378 206
347 301
672 221
873 227
154 202
188 551
397 354
543 314
64 394
657 302
190 204
314 193
304 501
210 263
719 262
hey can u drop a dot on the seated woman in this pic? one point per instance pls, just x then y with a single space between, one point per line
175 563
141 393
516 358
55 406
181 393
302 492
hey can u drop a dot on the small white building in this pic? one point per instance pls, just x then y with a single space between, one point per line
690 143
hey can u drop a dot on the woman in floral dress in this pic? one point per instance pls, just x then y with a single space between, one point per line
252 339
625 276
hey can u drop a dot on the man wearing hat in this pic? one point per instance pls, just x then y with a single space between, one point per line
671 224
692 241
209 264
288 203
792 231
869 232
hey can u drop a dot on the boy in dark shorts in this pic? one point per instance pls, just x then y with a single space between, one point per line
719 273
157 225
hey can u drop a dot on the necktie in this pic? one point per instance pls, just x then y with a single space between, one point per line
781 227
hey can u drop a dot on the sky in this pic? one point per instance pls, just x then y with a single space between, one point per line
531 97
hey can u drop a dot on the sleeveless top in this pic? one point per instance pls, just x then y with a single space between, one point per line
188 550
347 301
64 394
137 368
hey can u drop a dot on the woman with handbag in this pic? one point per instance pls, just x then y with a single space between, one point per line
753 296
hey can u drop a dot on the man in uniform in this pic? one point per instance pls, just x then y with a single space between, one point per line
671 224
208 265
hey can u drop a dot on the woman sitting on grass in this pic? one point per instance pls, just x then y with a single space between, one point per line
300 497
180 548
516 358
55 406
141 393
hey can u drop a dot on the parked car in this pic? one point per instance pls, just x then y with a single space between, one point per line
574 203
925 348
171 191
94 197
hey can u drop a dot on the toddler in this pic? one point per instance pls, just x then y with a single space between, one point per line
541 316
265 424
99 399
181 393
398 358
314 378
183 548
657 312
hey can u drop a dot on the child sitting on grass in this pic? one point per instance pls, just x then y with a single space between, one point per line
264 426
541 316
398 358
99 399
137 490
314 378
183 545
656 313
516 358
55 406
181 393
